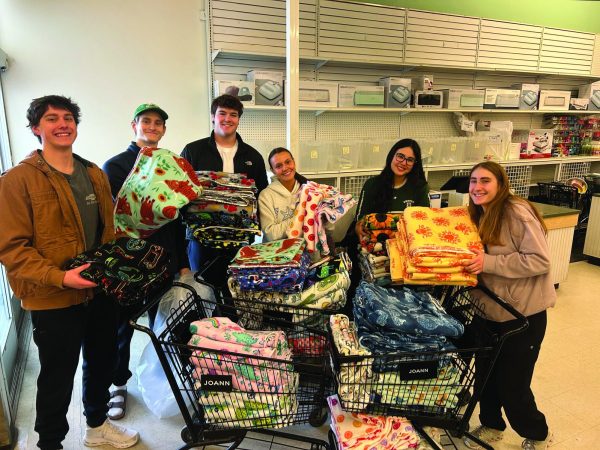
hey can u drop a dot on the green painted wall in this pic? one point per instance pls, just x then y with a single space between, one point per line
581 15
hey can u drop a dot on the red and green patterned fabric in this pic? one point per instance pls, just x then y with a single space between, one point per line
159 184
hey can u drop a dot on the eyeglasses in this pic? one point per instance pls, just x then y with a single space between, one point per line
409 160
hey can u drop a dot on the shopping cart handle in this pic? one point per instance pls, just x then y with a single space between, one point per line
150 303
524 323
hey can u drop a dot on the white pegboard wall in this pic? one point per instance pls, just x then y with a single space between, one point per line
571 170
426 125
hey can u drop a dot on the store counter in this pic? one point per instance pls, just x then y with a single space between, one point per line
592 234
561 226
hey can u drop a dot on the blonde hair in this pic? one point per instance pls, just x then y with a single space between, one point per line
489 222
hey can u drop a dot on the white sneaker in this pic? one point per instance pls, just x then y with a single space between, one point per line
110 434
530 444
484 433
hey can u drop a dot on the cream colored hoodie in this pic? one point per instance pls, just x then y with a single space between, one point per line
276 206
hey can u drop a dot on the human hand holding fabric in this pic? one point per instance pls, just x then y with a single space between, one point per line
73 279
475 265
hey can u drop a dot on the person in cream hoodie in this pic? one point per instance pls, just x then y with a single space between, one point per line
276 203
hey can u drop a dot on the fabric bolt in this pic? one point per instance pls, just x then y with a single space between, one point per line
317 203
201 205
441 232
281 252
405 311
327 294
397 261
352 377
370 432
442 391
249 374
159 185
128 269
240 181
381 221
242 409
282 279
223 329
326 267
218 219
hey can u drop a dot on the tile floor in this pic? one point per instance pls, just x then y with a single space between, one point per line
566 382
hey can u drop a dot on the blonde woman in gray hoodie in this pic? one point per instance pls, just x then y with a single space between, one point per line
276 203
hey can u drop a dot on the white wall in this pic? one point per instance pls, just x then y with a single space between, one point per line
109 56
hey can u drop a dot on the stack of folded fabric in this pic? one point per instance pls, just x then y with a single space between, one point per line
352 377
432 246
318 204
365 431
276 266
258 363
401 320
373 258
224 216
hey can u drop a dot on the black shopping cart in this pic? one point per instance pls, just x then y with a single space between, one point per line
438 389
217 391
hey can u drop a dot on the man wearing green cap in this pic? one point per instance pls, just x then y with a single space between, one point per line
149 126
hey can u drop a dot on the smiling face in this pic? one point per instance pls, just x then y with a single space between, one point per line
283 167
149 128
403 162
226 121
483 187
57 129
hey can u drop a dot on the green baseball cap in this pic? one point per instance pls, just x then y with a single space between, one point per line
150 107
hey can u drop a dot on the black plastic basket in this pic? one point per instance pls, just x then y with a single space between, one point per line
438 389
559 194
215 417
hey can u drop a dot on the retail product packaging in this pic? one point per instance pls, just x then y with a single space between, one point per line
514 150
458 199
435 199
591 92
579 104
534 143
318 94
501 98
243 90
423 83
463 98
359 95
528 98
397 92
268 87
428 99
554 100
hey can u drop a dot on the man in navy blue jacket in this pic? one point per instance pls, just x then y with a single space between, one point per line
149 126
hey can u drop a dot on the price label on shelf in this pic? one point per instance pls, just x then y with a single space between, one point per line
314 154
376 149
345 150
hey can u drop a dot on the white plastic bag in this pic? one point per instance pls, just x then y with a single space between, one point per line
152 382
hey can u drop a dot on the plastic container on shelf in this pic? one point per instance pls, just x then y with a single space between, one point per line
372 154
345 155
452 150
475 149
428 147
314 156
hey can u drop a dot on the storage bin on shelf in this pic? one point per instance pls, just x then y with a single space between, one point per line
315 156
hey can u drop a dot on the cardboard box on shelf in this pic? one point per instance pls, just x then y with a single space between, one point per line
268 87
397 92
243 90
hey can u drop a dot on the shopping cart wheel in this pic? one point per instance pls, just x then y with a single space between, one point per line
186 435
317 417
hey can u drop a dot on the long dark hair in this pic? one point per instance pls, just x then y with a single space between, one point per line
384 182
299 178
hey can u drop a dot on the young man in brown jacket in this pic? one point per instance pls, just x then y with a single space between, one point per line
54 206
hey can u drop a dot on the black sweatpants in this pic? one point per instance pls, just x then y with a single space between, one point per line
60 335
509 385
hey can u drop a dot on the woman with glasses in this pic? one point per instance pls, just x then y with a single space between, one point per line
401 183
